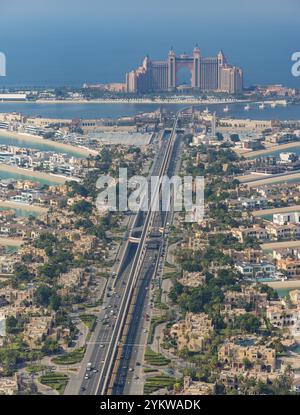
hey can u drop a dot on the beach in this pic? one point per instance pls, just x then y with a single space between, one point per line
11 242
274 179
35 174
30 208
250 154
40 140
279 245
190 100
263 212
246 178
293 284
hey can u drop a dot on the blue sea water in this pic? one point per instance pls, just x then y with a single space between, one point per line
94 110
54 42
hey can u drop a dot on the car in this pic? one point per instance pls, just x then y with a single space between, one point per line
102 345
130 369
95 370
86 377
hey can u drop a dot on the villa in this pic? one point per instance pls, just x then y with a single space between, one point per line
193 332
236 357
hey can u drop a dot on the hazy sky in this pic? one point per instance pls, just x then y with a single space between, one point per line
72 41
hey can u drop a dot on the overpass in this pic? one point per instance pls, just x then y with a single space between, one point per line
160 168
104 344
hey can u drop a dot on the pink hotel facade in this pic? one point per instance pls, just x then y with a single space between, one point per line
207 74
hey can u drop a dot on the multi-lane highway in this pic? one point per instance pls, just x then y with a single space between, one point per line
106 362
135 337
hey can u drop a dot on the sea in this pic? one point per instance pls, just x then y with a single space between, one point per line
95 110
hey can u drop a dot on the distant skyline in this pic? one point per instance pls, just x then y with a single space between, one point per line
71 42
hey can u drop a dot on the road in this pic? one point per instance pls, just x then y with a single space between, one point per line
142 270
136 266
129 375
112 311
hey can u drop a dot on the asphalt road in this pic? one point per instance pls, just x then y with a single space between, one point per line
137 263
128 379
89 382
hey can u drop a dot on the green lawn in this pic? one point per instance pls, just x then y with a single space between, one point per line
70 358
55 380
89 320
32 369
150 370
154 322
155 383
155 359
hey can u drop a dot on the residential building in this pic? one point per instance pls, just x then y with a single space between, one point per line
282 317
235 357
8 385
285 218
192 279
256 270
290 266
192 387
193 332
255 232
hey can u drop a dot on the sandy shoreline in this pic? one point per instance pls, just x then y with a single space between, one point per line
247 178
263 212
136 102
30 173
284 284
39 140
279 245
30 208
11 242
274 179
270 149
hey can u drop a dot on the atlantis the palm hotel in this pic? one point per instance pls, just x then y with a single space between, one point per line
207 74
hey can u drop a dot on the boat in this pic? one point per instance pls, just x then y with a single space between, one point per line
206 111
226 109
273 105
247 107
261 106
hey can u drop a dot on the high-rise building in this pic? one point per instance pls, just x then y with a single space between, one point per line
231 79
207 74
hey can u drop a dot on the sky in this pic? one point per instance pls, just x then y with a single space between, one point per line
68 42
